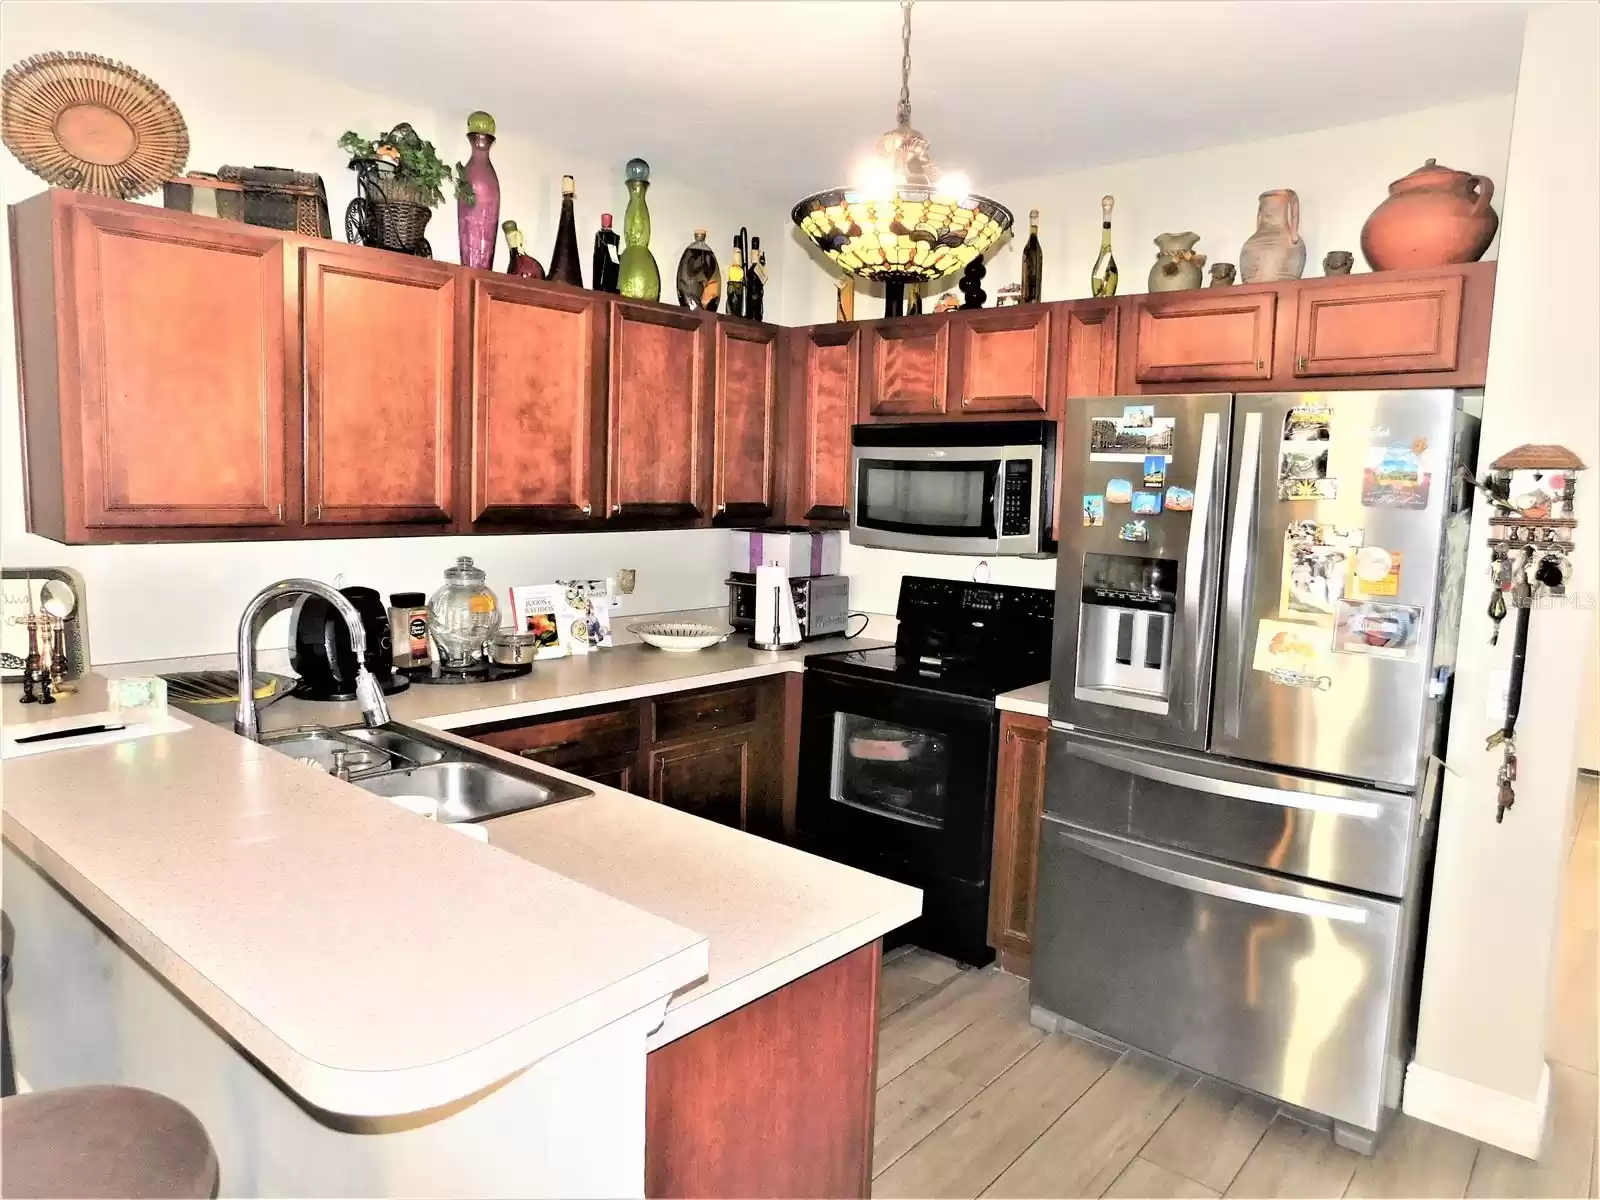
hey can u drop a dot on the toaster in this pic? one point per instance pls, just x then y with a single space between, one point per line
821 603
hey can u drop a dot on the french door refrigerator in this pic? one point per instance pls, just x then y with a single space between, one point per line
1255 627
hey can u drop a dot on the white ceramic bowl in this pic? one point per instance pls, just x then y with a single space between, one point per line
680 636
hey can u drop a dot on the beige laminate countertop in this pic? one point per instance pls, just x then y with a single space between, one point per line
325 929
1033 700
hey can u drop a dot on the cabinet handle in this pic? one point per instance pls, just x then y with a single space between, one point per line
1261 364
1301 362
535 751
965 401
722 508
615 509
588 510
280 512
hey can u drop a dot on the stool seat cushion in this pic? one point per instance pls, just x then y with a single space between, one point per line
103 1141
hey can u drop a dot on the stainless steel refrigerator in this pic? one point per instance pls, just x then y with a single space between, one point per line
1256 613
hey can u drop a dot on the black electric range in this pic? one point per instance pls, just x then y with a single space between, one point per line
898 748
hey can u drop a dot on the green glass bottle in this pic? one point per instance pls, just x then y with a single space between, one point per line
1103 278
638 277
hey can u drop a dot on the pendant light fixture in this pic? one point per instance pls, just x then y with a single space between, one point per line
903 221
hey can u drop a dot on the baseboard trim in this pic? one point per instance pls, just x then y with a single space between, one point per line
1468 1108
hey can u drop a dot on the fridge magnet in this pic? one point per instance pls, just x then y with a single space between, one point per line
1180 499
1308 423
1094 511
1119 491
1155 471
1138 416
1146 504
1134 531
1316 567
1113 439
1377 572
1376 627
1303 455
1394 478
538 610
1291 648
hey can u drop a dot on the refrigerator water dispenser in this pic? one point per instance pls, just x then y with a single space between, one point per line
1125 631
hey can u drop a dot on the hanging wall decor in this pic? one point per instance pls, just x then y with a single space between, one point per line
85 122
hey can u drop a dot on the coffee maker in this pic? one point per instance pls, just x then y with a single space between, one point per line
321 653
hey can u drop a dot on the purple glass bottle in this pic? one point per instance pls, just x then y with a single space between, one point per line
479 222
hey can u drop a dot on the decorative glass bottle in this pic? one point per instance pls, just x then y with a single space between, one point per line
564 266
519 262
1103 278
755 283
638 277
478 222
734 304
607 256
699 275
1033 263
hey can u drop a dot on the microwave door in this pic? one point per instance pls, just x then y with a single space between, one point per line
1139 566
1335 543
939 500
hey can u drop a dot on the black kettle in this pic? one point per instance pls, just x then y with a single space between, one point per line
320 651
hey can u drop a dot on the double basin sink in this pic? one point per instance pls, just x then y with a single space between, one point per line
397 760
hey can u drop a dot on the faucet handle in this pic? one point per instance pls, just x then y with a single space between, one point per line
374 708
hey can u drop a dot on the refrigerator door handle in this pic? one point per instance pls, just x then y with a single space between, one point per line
1113 855
1198 549
1134 764
1241 557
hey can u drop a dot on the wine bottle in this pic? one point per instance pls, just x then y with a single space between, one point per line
734 302
564 266
755 283
520 262
699 279
1033 263
638 277
1103 278
607 254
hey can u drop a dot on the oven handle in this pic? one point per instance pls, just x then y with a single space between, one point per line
1114 856
1315 801
904 818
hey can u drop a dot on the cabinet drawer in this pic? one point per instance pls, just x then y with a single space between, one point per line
1193 337
1379 326
695 714
568 740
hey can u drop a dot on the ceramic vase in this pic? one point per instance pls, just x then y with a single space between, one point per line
1433 217
1222 274
638 277
1275 250
1177 266
1337 262
478 223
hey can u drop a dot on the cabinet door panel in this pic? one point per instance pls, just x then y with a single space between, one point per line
828 393
1373 326
538 427
1204 336
1003 360
910 359
659 413
746 376
1092 349
1019 801
182 371
380 369
710 779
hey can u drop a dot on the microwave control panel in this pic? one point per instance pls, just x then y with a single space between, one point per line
1016 498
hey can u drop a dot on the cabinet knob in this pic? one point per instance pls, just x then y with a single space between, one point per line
615 509
588 510
722 508
965 401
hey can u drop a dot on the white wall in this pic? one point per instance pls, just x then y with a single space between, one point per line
1495 899
161 601
1341 175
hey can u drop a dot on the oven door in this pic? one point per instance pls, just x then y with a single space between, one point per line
928 498
895 776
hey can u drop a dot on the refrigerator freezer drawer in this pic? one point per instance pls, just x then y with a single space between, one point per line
1323 832
1276 986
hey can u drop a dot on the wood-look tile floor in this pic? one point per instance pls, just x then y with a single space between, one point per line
973 1101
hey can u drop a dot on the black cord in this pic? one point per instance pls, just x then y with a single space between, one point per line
865 621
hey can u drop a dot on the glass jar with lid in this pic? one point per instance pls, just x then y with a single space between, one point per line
463 616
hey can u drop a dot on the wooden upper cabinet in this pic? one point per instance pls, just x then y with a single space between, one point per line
746 421
1091 335
907 366
1198 336
1370 325
170 365
537 402
1001 360
380 377
660 413
824 393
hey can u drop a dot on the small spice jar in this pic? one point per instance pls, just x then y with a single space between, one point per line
408 627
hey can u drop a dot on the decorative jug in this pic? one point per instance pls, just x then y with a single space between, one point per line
1275 250
1177 266
1434 216
478 220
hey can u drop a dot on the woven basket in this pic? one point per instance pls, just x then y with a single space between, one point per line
394 190
399 226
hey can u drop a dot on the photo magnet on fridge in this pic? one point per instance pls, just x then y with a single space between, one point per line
1155 470
1119 491
1180 499
1377 572
1316 566
1094 511
1134 531
1303 455
1394 478
1113 439
1146 504
1139 415
1376 627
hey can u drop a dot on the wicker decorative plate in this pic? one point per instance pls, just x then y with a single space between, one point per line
680 636
86 122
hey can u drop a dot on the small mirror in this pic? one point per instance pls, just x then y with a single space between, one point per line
58 599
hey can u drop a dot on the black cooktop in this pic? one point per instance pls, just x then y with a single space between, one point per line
964 639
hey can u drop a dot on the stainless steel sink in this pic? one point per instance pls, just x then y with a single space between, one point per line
472 791
397 760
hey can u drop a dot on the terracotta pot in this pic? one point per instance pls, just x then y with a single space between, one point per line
1433 217
1275 250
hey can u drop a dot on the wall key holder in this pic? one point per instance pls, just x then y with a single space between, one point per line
1531 539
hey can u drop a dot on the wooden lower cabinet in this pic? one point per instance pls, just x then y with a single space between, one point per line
774 1099
1018 806
710 779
